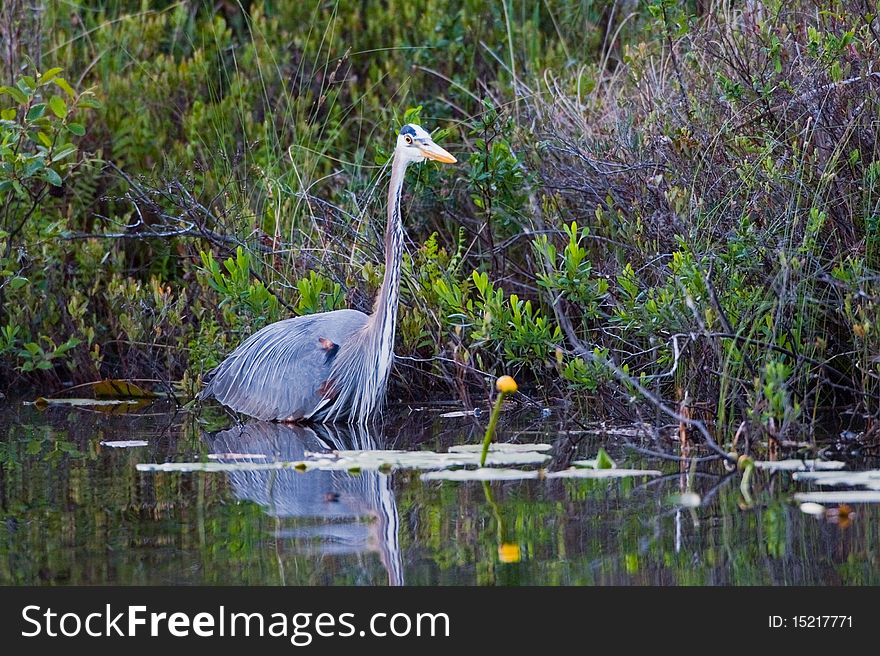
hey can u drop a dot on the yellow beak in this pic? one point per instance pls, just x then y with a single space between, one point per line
435 152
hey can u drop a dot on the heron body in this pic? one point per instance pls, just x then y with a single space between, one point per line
331 366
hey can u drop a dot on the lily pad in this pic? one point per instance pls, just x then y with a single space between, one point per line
362 460
799 465
482 474
843 496
581 472
105 406
635 430
460 413
500 447
812 508
421 459
124 444
187 467
42 402
869 479
493 474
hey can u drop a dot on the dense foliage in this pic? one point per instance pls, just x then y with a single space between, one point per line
685 194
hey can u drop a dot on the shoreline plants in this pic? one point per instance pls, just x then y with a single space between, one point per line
658 203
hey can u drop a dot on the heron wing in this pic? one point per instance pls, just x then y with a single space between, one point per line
277 373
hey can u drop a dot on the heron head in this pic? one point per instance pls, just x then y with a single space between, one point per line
415 145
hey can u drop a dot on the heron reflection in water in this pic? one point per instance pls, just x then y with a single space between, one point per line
352 514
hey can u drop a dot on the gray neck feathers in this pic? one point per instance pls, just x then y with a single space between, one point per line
361 368
385 308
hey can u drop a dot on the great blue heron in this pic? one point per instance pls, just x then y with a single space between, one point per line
331 366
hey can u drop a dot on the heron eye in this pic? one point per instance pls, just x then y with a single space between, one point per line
408 139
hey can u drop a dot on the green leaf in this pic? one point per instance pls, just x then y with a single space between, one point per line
27 81
36 111
49 75
53 178
63 152
77 129
114 389
44 139
58 106
16 94
18 282
91 102
603 460
63 85
8 114
35 165
23 88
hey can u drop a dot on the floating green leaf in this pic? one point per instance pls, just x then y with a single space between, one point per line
481 474
799 465
42 402
502 447
369 460
849 496
458 413
237 456
869 479
581 472
494 474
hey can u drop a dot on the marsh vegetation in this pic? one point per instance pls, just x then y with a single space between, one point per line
659 204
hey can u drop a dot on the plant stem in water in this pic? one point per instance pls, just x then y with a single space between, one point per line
490 429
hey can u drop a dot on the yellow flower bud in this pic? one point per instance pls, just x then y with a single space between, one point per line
506 385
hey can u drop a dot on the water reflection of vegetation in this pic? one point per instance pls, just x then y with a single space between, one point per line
77 513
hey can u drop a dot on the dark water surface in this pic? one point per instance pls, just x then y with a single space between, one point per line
76 512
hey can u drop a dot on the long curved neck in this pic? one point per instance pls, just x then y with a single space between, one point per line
361 368
384 318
